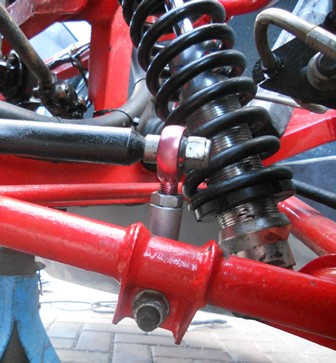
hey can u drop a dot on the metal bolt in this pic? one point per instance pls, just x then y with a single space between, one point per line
62 90
194 151
326 66
150 309
321 73
197 153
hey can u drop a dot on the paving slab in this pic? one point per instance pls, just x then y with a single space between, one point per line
83 333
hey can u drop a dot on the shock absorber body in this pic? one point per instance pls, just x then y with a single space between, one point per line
204 81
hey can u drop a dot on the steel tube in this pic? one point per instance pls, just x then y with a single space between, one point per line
312 228
180 270
314 36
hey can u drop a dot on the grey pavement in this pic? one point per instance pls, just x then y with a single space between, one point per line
79 323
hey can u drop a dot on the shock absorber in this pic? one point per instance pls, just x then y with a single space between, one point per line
200 75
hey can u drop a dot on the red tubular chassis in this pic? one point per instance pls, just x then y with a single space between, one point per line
299 302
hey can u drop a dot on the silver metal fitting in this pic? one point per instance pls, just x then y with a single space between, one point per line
151 148
317 79
165 200
197 153
150 309
164 215
62 90
194 153
262 239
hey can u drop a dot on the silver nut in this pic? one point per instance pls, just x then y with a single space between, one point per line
197 153
62 90
164 200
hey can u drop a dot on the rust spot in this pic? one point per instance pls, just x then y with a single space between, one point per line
272 237
312 283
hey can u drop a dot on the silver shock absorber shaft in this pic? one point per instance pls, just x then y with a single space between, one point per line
254 229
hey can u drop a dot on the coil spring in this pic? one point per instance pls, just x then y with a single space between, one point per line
219 59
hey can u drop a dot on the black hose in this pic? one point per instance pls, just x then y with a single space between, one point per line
78 143
121 117
14 35
10 111
316 194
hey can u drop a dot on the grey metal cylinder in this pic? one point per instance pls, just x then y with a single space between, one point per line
164 216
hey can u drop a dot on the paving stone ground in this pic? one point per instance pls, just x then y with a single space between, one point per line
83 333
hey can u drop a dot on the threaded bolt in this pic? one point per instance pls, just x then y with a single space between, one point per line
150 309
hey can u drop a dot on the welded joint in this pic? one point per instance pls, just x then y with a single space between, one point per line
162 303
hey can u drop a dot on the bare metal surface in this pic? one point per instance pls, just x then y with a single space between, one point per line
313 35
164 200
257 231
164 215
194 151
151 147
317 79
197 153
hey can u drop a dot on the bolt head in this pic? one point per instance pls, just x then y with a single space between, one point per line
150 309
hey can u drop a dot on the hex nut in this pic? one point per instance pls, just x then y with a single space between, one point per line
164 200
197 153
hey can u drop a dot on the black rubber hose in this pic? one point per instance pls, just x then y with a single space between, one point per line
121 117
78 143
14 35
316 194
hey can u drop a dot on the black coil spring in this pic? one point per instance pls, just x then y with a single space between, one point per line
154 57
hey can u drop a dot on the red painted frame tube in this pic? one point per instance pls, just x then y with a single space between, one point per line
189 276
110 42
238 7
312 228
65 195
305 131
109 67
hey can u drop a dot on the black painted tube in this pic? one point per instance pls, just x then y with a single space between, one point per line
14 35
77 143
120 117
316 194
